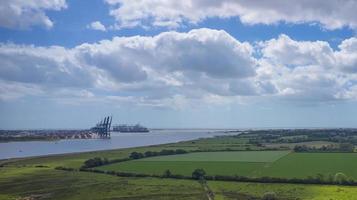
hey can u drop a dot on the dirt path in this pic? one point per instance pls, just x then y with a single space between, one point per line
209 192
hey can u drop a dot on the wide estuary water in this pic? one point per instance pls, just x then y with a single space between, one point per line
117 141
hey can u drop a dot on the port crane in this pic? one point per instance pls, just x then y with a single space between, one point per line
102 129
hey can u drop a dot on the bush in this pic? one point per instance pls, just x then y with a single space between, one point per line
136 155
167 174
150 153
340 178
64 168
94 162
198 174
180 151
167 152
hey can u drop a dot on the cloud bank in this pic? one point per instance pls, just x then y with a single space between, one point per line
23 14
330 14
175 69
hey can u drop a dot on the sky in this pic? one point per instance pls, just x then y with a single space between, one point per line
178 64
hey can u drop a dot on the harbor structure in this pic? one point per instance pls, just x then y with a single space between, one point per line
102 129
125 128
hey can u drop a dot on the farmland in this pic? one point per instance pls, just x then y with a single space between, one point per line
280 164
253 154
222 163
230 156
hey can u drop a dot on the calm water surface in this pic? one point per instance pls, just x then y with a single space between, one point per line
117 141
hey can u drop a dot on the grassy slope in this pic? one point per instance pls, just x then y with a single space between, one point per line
76 160
47 183
234 190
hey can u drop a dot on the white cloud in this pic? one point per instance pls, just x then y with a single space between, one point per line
182 69
22 14
97 25
308 70
52 66
331 14
159 67
288 52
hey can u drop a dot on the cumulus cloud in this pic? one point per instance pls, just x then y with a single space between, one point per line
331 14
41 65
308 70
18 14
97 25
288 52
192 64
182 69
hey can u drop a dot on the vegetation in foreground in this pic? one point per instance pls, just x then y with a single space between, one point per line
47 183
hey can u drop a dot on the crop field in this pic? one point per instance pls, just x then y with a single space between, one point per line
186 168
302 165
229 156
246 163
251 164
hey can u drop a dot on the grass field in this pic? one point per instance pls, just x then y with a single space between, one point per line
301 165
245 191
46 183
229 156
250 164
186 168
25 179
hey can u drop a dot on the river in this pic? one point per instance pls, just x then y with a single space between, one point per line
117 141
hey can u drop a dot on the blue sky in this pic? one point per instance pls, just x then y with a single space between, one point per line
215 64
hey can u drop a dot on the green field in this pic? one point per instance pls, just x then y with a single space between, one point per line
301 165
46 183
246 191
36 178
250 164
186 168
229 156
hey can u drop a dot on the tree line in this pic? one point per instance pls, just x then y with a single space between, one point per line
343 147
97 161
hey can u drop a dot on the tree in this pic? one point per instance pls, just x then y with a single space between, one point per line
347 147
136 155
167 174
94 162
148 154
301 148
167 152
180 151
340 178
198 174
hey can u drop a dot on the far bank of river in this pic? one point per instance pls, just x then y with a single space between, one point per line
117 141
